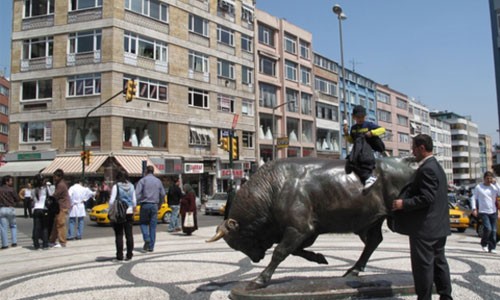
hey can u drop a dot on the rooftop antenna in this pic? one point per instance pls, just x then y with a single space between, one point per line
354 63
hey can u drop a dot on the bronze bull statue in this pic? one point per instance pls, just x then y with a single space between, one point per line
292 201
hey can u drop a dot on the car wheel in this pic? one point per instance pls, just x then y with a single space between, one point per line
461 229
166 217
480 230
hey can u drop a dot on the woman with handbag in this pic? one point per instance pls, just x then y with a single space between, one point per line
123 190
40 214
188 210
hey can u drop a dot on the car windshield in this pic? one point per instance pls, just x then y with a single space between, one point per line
219 196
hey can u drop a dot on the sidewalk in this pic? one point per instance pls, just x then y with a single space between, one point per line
185 267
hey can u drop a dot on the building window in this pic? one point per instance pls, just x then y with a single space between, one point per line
225 69
36 90
306 104
84 85
246 43
145 47
144 133
35 8
247 139
304 49
403 138
85 41
290 70
292 97
225 103
199 136
4 109
38 47
305 75
266 35
327 112
226 6
267 94
246 75
325 86
384 116
247 13
307 132
4 91
267 66
400 103
198 62
247 107
148 88
151 8
225 35
402 120
4 128
383 97
36 132
198 25
75 136
290 43
85 4
198 98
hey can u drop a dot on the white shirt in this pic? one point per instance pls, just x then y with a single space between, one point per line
78 195
39 201
486 196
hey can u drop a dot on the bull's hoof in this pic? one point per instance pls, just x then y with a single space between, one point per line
255 285
320 259
352 272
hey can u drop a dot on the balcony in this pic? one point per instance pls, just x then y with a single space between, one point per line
40 63
86 58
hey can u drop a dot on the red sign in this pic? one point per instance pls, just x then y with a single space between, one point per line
193 168
235 120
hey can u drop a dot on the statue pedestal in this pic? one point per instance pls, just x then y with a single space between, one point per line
363 287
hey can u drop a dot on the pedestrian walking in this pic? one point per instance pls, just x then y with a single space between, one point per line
150 195
79 195
58 233
174 200
188 205
8 199
40 213
485 195
422 214
123 190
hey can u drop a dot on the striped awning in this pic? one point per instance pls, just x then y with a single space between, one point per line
133 163
72 165
23 168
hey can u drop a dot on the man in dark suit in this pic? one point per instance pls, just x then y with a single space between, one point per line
422 214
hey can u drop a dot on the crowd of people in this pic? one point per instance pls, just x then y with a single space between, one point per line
58 210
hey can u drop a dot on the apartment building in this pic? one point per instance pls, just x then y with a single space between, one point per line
485 156
4 117
393 115
285 115
328 135
465 147
193 63
441 137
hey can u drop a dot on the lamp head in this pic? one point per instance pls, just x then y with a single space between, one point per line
337 9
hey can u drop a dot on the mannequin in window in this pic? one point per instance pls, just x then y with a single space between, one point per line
146 140
269 134
261 132
293 136
133 138
90 137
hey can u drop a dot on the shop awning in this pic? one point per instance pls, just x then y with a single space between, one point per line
24 168
73 165
133 163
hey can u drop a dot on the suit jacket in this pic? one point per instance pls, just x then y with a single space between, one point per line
425 211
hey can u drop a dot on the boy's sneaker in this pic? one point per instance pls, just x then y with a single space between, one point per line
485 249
370 181
493 251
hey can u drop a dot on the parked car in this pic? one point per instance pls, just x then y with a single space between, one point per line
99 214
459 219
215 204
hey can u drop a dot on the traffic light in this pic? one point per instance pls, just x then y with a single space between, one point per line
88 157
235 153
83 155
224 143
131 90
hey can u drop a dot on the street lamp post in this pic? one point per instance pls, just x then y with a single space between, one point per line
273 127
341 16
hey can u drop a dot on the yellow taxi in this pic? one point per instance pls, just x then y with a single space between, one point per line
459 219
99 214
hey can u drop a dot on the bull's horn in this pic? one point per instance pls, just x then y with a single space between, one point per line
218 235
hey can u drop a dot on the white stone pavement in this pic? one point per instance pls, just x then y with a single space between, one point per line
188 268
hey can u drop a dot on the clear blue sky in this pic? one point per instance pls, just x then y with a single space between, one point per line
439 52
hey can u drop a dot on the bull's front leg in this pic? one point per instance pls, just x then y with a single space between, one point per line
292 239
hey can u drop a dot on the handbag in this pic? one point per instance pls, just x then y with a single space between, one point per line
51 204
189 220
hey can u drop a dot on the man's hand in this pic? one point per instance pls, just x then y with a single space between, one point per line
397 204
474 213
368 134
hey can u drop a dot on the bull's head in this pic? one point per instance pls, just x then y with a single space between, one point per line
230 231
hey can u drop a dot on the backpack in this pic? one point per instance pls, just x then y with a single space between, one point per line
376 143
118 211
51 204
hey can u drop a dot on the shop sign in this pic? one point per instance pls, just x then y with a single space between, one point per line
226 173
29 156
282 142
193 168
